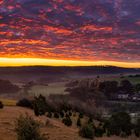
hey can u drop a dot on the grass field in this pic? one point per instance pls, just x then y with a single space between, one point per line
52 88
8 102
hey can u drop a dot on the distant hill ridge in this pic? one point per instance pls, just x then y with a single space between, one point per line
54 74
66 70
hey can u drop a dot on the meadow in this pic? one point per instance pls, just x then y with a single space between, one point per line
50 89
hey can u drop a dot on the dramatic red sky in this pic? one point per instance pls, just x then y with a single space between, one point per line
81 30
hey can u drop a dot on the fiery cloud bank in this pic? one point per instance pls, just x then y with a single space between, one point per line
80 30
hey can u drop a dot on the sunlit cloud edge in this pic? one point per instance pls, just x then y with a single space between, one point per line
11 62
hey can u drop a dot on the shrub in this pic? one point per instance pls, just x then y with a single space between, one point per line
1 105
70 113
67 115
137 128
67 121
119 124
81 115
99 132
66 107
49 115
56 115
87 131
24 103
40 105
62 114
36 109
79 122
90 120
27 129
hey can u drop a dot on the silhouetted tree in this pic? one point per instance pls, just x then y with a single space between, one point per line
40 105
137 88
25 103
109 88
126 87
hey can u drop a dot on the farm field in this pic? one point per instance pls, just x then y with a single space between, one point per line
52 88
8 102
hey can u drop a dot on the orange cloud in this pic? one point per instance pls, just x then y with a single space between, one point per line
2 25
96 28
24 41
57 30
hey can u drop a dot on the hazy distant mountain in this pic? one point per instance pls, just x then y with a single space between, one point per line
36 72
49 74
65 70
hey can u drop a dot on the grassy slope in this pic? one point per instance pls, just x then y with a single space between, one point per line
9 114
55 129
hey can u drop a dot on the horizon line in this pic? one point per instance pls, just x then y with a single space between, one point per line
19 62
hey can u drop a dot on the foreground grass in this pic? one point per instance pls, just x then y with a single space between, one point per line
8 102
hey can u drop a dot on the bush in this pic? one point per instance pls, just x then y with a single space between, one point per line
79 122
70 113
49 115
24 103
62 114
99 132
67 115
66 107
90 120
40 105
119 124
81 115
137 128
87 131
27 129
56 115
67 121
1 105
